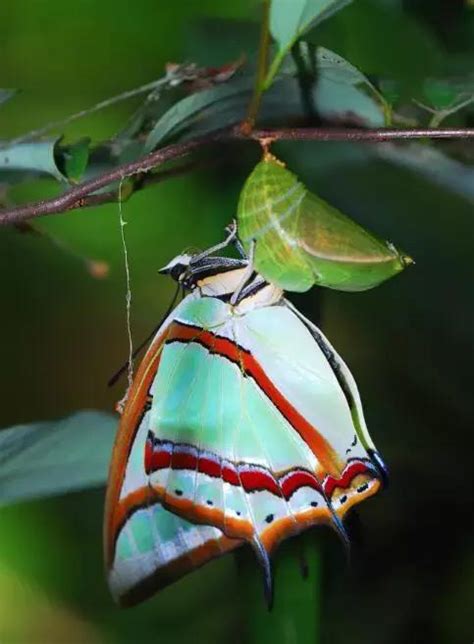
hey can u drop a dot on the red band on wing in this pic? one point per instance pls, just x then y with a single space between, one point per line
351 470
320 447
164 454
251 477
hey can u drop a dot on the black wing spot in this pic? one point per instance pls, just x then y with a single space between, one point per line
362 487
269 518
353 444
343 499
238 513
209 502
178 492
314 504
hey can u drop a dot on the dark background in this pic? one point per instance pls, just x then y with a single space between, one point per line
409 342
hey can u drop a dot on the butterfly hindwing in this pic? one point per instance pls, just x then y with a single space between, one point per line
248 435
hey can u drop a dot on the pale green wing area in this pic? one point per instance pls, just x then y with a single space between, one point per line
344 377
148 546
153 539
302 240
301 370
204 400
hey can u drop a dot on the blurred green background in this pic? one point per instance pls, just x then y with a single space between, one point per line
409 342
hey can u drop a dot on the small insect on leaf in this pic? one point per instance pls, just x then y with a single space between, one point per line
301 240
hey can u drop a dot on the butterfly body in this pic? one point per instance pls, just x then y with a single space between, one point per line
243 425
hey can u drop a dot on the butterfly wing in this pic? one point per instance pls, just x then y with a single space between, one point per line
146 546
251 431
349 388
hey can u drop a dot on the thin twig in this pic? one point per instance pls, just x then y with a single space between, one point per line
34 134
78 196
146 180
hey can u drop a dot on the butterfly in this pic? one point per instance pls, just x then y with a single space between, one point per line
243 425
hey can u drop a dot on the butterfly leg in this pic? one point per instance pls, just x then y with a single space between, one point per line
246 276
236 241
231 231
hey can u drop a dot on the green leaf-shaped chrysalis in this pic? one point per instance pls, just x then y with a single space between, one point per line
301 240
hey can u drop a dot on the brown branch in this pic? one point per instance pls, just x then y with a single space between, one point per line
82 194
112 196
353 134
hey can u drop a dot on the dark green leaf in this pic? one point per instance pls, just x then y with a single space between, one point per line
440 94
445 94
180 114
76 157
338 102
54 457
332 67
336 68
338 95
35 156
290 19
384 42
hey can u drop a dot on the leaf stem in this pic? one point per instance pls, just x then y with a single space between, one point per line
262 64
34 134
274 67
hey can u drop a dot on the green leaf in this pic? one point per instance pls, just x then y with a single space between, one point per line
338 102
439 93
75 159
36 156
385 42
444 94
336 68
338 95
179 116
54 457
290 19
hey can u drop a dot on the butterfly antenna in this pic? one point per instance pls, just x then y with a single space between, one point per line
265 562
124 367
